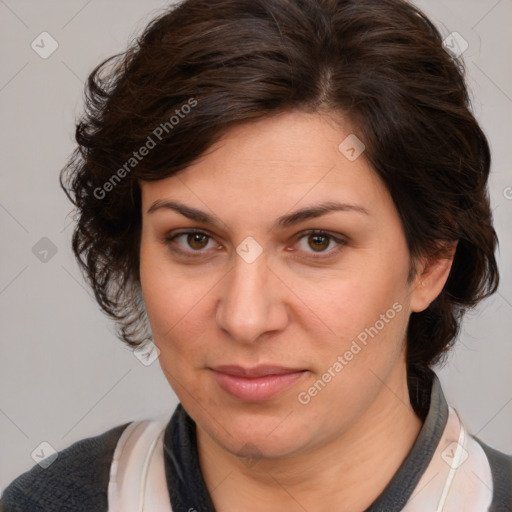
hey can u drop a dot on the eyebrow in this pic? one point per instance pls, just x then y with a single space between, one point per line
283 221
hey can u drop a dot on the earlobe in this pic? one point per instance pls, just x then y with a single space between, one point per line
431 276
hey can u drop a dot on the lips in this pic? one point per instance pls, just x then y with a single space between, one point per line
255 384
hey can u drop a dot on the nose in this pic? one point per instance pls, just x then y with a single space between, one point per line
251 302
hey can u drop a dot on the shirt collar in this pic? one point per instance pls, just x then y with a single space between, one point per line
399 490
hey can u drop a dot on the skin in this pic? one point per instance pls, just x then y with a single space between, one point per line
286 308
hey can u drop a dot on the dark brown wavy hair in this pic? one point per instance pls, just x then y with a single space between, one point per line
202 66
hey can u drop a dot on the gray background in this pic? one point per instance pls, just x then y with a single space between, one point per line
63 374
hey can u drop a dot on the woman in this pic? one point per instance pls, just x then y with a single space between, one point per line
289 199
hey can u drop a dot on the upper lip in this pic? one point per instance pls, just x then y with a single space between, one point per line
256 371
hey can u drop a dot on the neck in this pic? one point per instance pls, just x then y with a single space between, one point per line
345 474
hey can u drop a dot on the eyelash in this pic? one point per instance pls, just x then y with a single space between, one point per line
170 240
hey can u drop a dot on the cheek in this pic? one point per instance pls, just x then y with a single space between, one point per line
357 301
366 312
369 332
177 306
350 367
169 303
173 316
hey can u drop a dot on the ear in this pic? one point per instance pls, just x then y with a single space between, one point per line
431 275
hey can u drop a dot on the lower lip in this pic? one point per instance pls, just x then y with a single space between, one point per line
256 389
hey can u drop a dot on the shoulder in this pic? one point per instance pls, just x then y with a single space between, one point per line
501 470
77 480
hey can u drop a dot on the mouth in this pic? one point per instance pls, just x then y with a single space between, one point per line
256 384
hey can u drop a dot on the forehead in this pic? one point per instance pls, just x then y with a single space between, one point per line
281 161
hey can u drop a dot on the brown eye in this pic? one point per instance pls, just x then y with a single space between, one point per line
192 242
318 242
197 241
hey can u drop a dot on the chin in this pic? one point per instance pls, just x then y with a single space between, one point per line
256 434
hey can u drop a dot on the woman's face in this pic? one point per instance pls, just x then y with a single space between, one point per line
274 271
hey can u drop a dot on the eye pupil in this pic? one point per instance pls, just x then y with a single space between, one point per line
318 242
197 240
